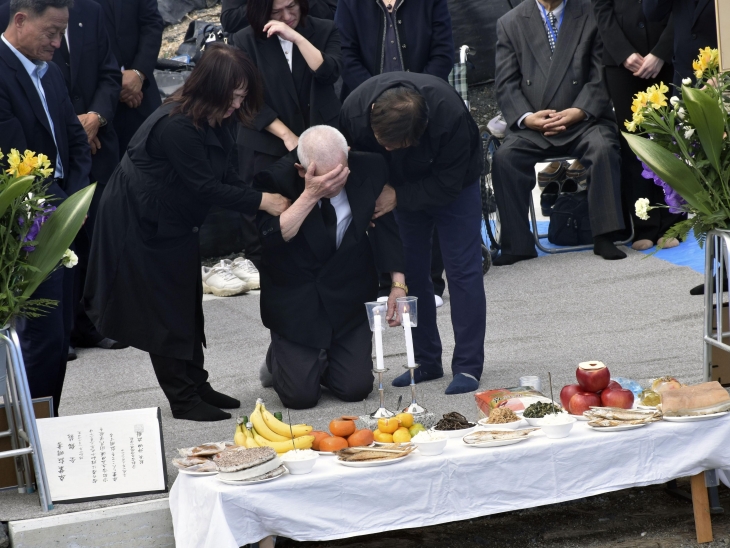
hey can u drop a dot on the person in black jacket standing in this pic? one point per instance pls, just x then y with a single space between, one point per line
298 57
636 54
421 126
233 13
144 285
36 114
695 27
135 32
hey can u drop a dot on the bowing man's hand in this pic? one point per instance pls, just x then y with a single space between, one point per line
392 314
325 186
386 202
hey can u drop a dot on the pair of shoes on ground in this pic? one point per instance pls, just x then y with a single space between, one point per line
230 277
461 383
560 178
209 408
602 245
664 242
439 300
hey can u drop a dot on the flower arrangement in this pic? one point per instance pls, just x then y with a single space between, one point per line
34 235
687 152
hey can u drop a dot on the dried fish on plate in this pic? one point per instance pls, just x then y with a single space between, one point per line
384 452
618 414
481 436
608 423
205 450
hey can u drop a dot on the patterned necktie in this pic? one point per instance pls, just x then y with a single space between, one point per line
329 215
553 22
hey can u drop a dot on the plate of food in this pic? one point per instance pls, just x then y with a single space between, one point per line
496 438
257 463
503 418
617 428
694 418
276 473
366 457
454 425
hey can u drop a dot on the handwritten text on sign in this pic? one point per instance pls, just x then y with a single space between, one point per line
102 454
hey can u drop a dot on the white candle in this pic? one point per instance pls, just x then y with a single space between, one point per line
409 339
378 341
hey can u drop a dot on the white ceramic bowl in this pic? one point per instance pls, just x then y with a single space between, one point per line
297 467
535 422
514 425
430 448
555 431
455 433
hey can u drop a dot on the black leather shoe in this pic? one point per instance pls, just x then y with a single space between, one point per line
71 354
548 198
110 344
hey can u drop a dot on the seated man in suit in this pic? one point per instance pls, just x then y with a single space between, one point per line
319 268
551 90
36 114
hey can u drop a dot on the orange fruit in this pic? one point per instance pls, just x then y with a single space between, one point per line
334 443
388 426
342 427
318 436
360 438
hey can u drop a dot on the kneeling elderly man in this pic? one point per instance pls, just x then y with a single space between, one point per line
319 266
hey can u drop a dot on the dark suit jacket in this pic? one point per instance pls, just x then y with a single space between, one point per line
625 30
300 98
449 155
694 28
308 293
93 80
526 80
423 30
24 125
233 13
135 32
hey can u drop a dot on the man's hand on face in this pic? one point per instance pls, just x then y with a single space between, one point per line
560 121
386 202
328 185
537 120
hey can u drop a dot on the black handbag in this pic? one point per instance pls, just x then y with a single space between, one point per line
569 220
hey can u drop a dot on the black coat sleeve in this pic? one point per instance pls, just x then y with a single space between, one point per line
508 79
184 147
329 71
151 26
233 15
441 57
664 48
109 85
76 174
354 72
613 36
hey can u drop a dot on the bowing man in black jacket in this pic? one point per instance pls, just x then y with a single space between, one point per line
319 268
298 57
636 54
135 32
233 13
36 114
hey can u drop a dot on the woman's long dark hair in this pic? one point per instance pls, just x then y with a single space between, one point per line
208 91
258 13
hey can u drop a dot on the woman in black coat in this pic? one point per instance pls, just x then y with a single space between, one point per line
144 285
299 59
636 54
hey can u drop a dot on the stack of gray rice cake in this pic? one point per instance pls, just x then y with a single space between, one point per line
249 465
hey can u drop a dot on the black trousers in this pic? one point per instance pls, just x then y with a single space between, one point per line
44 340
183 381
437 271
345 368
622 86
513 176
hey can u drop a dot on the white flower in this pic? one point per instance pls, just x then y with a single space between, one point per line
689 132
686 81
642 209
69 259
681 113
674 100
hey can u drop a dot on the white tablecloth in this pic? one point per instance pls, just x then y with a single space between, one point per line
335 501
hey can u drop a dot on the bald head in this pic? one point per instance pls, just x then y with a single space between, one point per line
324 146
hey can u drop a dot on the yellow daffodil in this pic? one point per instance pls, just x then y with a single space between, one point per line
13 162
656 95
708 59
630 126
43 164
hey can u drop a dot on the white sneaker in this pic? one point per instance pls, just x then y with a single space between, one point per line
221 282
245 270
439 301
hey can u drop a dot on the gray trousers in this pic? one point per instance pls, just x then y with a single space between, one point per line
299 371
513 176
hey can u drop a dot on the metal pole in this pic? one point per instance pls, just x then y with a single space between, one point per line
18 421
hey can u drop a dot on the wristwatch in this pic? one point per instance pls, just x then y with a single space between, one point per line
102 120
399 285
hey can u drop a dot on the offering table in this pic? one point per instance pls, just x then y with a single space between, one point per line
335 501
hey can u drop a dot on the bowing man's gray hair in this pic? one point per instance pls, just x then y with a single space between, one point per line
323 145
37 7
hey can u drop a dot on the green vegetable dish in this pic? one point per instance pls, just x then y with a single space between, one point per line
540 409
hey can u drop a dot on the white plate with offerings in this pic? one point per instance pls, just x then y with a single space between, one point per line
371 463
617 428
695 418
276 474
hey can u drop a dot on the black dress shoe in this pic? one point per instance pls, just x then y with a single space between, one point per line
110 344
217 399
548 198
203 412
71 354
700 289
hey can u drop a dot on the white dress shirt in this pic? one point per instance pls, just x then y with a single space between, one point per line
343 212
36 70
287 48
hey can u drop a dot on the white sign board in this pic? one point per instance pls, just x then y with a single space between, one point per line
722 9
104 455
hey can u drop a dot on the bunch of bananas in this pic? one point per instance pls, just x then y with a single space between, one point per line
265 430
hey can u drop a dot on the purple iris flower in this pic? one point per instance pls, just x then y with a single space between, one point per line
671 196
35 227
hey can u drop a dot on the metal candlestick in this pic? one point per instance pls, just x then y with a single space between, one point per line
381 412
413 408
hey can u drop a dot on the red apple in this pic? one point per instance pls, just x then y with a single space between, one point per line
613 385
592 376
619 397
567 392
583 401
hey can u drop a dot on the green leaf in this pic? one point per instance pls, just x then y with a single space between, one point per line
671 170
14 190
56 236
709 121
